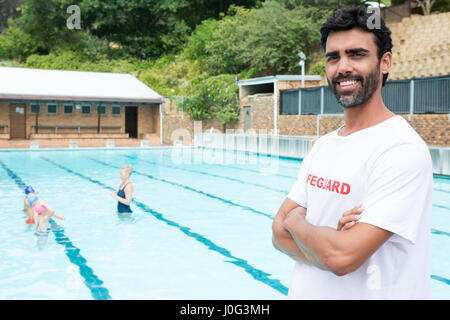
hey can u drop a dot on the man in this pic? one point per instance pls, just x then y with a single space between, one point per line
377 160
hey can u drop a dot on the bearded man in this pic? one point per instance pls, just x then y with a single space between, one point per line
357 220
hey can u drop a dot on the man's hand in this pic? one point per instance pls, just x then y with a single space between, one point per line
349 218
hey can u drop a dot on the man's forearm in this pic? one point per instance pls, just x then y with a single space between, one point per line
289 247
302 231
309 255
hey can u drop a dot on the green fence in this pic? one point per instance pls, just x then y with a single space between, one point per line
421 95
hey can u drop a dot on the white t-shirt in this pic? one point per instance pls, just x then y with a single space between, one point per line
387 168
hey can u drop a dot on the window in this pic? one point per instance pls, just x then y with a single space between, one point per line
35 108
68 108
116 109
86 109
101 109
52 108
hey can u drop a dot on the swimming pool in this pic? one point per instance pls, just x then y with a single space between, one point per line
201 227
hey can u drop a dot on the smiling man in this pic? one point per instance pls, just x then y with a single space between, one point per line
375 159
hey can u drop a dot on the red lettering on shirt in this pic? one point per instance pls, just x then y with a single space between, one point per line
328 184
320 182
345 189
335 186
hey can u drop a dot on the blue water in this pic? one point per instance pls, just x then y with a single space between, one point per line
201 226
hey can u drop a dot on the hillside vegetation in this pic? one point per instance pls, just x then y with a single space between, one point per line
173 46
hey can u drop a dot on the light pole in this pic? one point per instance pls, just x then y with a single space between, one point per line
302 65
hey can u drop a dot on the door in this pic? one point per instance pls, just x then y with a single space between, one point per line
17 122
131 114
247 118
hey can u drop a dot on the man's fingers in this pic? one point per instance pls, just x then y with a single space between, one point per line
348 225
356 210
349 218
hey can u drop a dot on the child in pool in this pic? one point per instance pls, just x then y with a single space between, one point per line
30 199
125 193
42 213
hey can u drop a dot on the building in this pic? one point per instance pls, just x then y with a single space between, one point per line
56 108
259 101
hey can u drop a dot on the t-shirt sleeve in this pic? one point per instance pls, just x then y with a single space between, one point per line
398 191
298 190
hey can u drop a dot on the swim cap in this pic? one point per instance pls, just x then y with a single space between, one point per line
39 208
29 189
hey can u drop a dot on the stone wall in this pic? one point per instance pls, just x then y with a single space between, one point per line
177 125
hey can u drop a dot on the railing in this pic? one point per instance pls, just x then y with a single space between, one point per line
283 146
291 147
424 95
78 128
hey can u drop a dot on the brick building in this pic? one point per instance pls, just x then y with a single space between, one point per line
57 107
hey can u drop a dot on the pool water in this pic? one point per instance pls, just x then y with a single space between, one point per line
200 228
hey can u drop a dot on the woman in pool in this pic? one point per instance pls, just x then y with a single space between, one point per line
125 193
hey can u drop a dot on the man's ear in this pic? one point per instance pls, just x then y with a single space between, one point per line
386 62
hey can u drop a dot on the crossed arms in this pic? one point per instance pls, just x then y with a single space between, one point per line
341 251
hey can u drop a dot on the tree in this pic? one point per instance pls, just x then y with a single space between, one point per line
265 40
8 9
329 4
150 28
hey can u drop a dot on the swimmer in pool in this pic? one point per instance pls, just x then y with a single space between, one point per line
125 193
30 199
42 213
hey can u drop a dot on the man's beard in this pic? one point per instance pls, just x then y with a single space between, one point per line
368 87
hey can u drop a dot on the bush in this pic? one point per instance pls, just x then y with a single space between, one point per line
213 97
170 74
16 44
318 68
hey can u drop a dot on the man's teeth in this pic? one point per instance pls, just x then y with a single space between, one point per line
347 83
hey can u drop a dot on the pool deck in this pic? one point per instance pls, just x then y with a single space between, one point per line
81 141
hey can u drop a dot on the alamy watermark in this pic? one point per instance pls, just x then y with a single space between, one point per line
74 21
374 21
232 147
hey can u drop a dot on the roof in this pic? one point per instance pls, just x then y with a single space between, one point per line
58 85
272 79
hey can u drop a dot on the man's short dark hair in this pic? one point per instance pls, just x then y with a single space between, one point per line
356 17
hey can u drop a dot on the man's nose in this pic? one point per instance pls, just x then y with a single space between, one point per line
344 66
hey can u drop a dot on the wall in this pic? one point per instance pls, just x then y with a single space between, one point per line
433 128
177 125
75 119
4 119
148 121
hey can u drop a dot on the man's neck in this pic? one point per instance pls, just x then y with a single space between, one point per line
364 116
